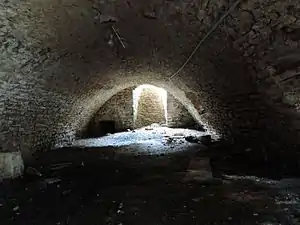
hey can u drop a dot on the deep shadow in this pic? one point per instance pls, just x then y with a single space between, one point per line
99 128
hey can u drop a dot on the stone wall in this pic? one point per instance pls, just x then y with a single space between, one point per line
150 109
119 109
178 115
59 65
34 105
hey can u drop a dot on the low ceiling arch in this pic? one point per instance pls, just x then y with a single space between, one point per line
90 104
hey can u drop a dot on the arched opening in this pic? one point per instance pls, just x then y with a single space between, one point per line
149 106
133 105
183 110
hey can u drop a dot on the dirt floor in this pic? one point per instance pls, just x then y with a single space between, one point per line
165 189
156 199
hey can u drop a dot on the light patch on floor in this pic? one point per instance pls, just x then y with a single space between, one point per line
147 140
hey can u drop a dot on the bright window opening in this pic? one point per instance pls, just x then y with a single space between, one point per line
149 105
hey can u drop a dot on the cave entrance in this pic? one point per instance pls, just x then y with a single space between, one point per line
149 105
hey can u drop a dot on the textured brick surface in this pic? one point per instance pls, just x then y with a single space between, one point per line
178 115
119 109
150 109
58 66
11 165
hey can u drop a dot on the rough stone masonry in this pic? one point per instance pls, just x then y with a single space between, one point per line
57 68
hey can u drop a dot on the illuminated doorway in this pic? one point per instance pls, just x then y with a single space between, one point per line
149 105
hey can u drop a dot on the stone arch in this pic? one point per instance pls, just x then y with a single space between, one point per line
99 97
